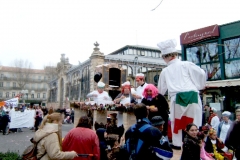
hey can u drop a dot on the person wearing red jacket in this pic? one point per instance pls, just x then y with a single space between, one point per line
82 140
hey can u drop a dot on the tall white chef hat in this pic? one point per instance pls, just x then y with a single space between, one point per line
226 113
140 76
127 83
101 85
168 46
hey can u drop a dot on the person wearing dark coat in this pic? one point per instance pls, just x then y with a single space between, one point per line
5 120
233 140
101 133
38 120
191 144
151 136
156 104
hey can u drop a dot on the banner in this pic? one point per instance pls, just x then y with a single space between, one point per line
12 102
22 119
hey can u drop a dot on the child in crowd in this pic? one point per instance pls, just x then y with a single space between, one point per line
203 154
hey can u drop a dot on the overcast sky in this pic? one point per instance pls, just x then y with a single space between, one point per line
41 30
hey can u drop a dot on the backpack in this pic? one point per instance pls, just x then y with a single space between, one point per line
30 153
134 144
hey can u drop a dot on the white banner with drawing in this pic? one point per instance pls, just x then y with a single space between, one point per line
22 119
12 102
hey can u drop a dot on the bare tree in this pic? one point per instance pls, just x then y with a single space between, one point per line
22 72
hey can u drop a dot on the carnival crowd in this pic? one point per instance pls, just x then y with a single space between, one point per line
159 128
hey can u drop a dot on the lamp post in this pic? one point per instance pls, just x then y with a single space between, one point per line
25 95
80 87
135 62
51 93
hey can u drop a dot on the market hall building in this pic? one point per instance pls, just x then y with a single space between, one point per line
74 82
216 49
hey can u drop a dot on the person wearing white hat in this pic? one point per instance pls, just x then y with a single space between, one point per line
232 140
140 79
100 95
214 119
224 126
125 98
183 80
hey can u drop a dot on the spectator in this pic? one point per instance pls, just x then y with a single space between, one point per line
233 140
45 111
72 115
203 154
144 132
102 134
83 140
23 107
214 145
214 119
224 126
5 120
191 143
206 113
49 134
158 122
156 105
40 113
38 119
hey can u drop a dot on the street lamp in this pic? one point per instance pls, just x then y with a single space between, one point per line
135 62
51 93
25 95
80 87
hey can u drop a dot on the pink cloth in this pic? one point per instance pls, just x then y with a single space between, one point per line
204 155
152 88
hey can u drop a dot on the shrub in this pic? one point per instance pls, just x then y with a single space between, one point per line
10 155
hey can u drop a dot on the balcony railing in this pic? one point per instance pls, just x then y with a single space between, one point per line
26 88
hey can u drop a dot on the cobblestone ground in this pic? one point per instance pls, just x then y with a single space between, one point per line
20 140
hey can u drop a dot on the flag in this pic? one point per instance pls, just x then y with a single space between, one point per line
185 110
2 103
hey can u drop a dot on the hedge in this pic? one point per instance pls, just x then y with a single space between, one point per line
10 155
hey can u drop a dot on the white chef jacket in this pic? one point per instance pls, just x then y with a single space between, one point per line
224 131
139 92
215 122
181 76
101 97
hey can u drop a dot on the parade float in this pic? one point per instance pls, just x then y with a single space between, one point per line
113 76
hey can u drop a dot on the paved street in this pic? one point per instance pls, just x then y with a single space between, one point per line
20 140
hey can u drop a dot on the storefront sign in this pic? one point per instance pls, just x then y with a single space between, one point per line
199 34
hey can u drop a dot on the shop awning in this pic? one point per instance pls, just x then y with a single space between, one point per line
223 83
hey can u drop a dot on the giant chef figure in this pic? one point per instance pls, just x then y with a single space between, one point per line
183 80
100 96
